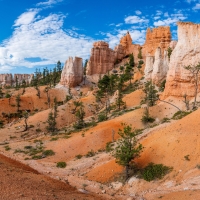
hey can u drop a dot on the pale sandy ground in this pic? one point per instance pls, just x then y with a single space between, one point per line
166 144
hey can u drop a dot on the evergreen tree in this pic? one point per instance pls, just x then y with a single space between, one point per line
127 148
80 114
18 102
51 123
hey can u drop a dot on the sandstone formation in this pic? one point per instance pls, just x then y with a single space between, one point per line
186 52
102 59
23 77
148 67
157 37
160 66
128 46
10 80
119 52
72 73
156 68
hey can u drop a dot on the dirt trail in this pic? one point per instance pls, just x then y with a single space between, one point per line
19 181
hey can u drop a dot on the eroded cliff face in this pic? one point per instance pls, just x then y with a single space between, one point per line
72 73
160 66
9 79
158 40
186 52
157 37
102 59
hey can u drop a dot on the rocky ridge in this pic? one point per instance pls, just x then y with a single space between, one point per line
72 73
9 79
187 52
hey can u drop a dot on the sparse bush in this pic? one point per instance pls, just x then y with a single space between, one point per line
102 117
7 148
90 154
54 139
61 164
187 157
48 153
155 171
180 115
79 156
109 147
165 120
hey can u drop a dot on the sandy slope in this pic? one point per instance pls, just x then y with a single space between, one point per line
19 181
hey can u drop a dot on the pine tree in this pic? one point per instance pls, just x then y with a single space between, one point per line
127 148
18 101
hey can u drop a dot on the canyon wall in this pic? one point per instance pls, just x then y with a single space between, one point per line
10 80
72 73
158 40
101 60
187 52
157 37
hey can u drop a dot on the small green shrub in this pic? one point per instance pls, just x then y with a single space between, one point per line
54 139
28 147
187 157
7 148
61 164
90 154
165 120
38 130
155 171
79 156
109 147
102 117
180 115
48 153
147 119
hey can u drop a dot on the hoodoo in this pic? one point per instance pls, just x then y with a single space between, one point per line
186 52
101 60
72 73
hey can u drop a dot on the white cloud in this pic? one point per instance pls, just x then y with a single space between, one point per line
189 1
170 20
196 7
138 12
135 20
41 38
48 3
26 18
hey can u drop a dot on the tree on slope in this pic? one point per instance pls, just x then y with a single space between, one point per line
194 69
127 148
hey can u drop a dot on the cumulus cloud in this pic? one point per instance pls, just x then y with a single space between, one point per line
135 20
48 3
42 38
171 20
26 18
189 1
196 7
138 12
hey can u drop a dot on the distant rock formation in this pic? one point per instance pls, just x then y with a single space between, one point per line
128 46
158 40
102 59
160 66
157 37
23 77
72 73
186 52
10 80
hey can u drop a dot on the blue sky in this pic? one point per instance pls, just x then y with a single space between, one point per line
36 33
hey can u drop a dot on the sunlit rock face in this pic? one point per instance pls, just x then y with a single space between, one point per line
101 60
186 52
72 73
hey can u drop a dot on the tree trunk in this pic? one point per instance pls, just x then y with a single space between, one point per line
127 172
